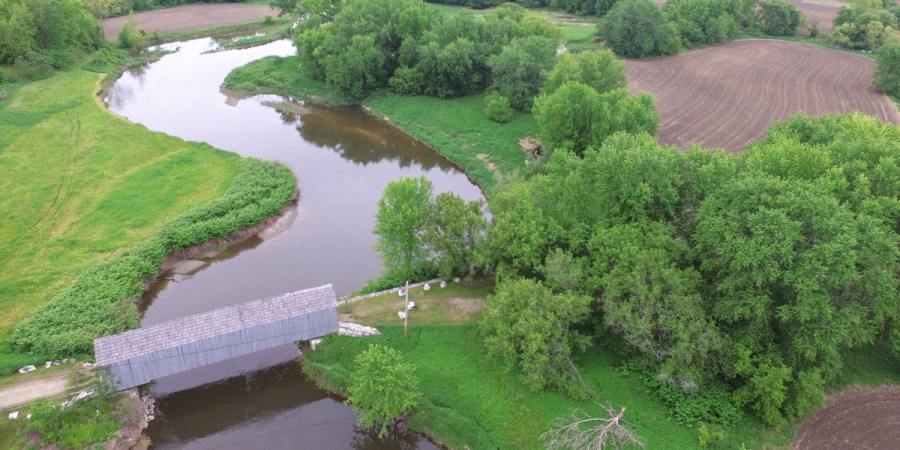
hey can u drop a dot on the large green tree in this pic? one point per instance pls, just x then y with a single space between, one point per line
400 222
456 236
637 29
887 70
599 70
382 388
519 70
528 327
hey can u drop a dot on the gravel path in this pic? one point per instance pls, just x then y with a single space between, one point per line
31 390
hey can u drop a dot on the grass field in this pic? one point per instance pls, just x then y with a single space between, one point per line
457 303
80 185
457 129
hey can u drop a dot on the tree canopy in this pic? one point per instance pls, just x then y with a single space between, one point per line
637 29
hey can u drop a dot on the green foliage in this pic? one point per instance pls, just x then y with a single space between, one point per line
528 327
496 108
887 70
455 235
7 77
361 46
46 25
399 223
637 29
599 70
779 18
91 421
383 387
701 22
98 302
259 73
34 66
864 28
519 70
576 117
131 39
709 435
106 60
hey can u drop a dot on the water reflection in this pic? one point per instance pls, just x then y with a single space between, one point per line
342 160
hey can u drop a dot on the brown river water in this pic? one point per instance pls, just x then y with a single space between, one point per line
342 159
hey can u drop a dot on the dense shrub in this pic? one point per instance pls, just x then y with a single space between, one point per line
637 29
106 60
87 422
887 70
7 78
701 22
41 25
496 108
864 28
131 39
100 302
779 18
34 66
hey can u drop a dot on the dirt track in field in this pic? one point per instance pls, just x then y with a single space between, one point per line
190 17
822 11
728 95
858 418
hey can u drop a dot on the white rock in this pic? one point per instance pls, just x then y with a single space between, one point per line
27 369
313 343
56 363
150 417
427 287
86 364
443 284
456 280
48 364
401 292
14 415
65 361
411 305
28 416
401 314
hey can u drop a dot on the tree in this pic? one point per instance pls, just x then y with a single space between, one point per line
518 71
528 327
577 117
887 70
400 222
599 70
358 70
582 431
455 235
102 8
637 29
382 387
779 18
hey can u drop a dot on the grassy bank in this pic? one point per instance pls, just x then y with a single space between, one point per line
83 188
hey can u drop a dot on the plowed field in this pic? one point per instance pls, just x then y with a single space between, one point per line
727 95
190 17
860 418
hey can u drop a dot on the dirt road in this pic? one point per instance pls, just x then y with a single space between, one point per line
28 391
858 418
189 18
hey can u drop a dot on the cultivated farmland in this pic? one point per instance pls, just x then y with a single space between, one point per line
190 17
727 95
859 418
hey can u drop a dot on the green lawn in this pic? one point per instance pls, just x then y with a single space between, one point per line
456 128
580 38
80 185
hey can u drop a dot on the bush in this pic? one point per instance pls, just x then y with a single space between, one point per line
90 421
383 387
779 18
62 59
34 66
496 108
106 60
887 70
637 29
97 303
7 78
132 39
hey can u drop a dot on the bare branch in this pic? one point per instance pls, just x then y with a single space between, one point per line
581 431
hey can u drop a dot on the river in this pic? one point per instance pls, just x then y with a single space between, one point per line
343 160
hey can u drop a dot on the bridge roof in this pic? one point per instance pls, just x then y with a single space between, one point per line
142 341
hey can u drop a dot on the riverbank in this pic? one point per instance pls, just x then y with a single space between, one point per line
488 152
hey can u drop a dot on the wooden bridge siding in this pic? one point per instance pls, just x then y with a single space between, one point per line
145 368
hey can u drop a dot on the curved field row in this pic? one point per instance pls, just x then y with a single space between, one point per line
863 418
189 18
728 95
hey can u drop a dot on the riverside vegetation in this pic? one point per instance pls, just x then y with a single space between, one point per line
94 203
721 329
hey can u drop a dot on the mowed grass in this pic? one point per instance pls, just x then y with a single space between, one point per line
456 303
581 38
487 151
469 398
80 185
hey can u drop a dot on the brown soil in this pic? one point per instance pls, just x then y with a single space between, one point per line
190 18
727 95
861 417
466 307
823 11
31 390
486 159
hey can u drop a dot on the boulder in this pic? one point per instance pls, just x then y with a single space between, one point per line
410 305
443 284
427 287
456 280
48 364
27 369
402 314
14 415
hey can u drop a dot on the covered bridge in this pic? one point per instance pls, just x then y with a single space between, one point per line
138 356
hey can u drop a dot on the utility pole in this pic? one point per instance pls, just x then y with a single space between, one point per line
406 312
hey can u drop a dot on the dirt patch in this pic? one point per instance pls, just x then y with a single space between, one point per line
530 145
190 18
860 417
822 12
486 159
31 390
727 95
466 307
